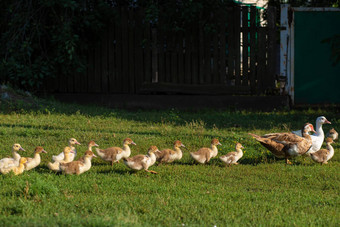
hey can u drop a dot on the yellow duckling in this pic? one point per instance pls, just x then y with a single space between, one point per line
323 155
168 155
16 169
35 161
78 167
56 165
11 162
142 162
204 154
233 157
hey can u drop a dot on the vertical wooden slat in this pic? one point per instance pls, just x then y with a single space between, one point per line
167 59
180 57
252 48
195 56
111 59
202 63
216 59
104 62
237 26
207 58
271 47
154 57
118 85
125 46
174 60
187 56
97 69
245 44
90 69
231 45
147 53
131 51
222 50
139 66
261 62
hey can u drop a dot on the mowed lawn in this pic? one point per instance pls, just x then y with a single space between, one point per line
261 190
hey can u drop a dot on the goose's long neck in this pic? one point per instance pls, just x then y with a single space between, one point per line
36 156
319 131
127 149
16 155
87 162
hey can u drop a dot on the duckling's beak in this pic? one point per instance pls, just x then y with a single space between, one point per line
95 156
133 143
328 122
43 151
182 145
21 149
72 151
78 143
242 147
96 145
219 143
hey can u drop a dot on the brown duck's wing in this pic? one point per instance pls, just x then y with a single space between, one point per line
276 148
111 153
203 151
81 159
137 158
285 137
72 167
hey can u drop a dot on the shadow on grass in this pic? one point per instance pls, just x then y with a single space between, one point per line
204 118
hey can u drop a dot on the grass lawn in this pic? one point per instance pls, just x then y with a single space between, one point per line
261 190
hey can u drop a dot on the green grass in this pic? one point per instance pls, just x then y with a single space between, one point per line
260 191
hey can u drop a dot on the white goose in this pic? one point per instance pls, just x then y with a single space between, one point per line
318 137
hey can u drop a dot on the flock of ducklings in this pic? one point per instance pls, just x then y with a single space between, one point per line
282 145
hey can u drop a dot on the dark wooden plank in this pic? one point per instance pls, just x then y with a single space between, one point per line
167 59
252 48
201 56
261 61
187 55
118 85
104 62
139 66
231 46
195 56
131 52
201 89
271 14
245 45
222 51
125 49
237 26
180 55
111 59
216 59
154 57
147 53
97 69
207 58
174 60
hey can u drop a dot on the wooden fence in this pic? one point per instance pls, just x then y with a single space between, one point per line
132 57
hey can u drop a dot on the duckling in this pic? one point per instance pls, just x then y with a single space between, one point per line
204 154
78 167
56 165
89 148
114 154
16 169
233 157
333 134
323 155
35 161
140 162
71 144
168 155
11 162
